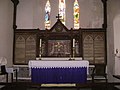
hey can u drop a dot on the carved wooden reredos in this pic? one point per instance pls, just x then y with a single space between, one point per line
90 43
58 42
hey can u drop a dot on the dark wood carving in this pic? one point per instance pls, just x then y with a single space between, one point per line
57 42
89 44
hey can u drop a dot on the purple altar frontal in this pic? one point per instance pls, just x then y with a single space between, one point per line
59 74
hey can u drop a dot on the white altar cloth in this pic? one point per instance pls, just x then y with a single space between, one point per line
60 59
61 64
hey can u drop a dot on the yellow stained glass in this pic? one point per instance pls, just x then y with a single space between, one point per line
76 14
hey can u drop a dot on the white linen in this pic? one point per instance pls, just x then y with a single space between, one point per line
62 64
60 59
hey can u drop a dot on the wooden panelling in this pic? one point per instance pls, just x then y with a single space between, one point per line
94 47
19 49
25 48
89 44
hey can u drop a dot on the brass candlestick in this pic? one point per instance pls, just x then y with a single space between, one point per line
40 55
73 53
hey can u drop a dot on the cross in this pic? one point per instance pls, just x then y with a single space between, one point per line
58 17
59 46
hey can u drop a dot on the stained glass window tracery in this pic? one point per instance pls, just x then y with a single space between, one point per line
76 14
47 14
62 7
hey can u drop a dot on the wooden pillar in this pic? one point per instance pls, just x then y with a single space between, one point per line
15 2
104 13
105 25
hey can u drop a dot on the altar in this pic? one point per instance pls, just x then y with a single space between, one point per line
58 72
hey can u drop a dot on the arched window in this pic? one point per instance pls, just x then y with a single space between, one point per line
76 14
62 7
47 14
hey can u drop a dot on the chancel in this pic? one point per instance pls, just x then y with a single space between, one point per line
63 35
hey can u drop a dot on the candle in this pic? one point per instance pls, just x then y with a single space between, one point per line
73 42
40 42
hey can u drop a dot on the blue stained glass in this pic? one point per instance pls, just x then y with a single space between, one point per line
47 14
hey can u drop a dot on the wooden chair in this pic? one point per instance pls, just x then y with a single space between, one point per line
99 71
3 72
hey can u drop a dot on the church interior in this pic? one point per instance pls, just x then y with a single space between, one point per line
59 44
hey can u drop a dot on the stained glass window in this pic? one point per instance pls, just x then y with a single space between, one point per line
47 14
62 8
76 14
